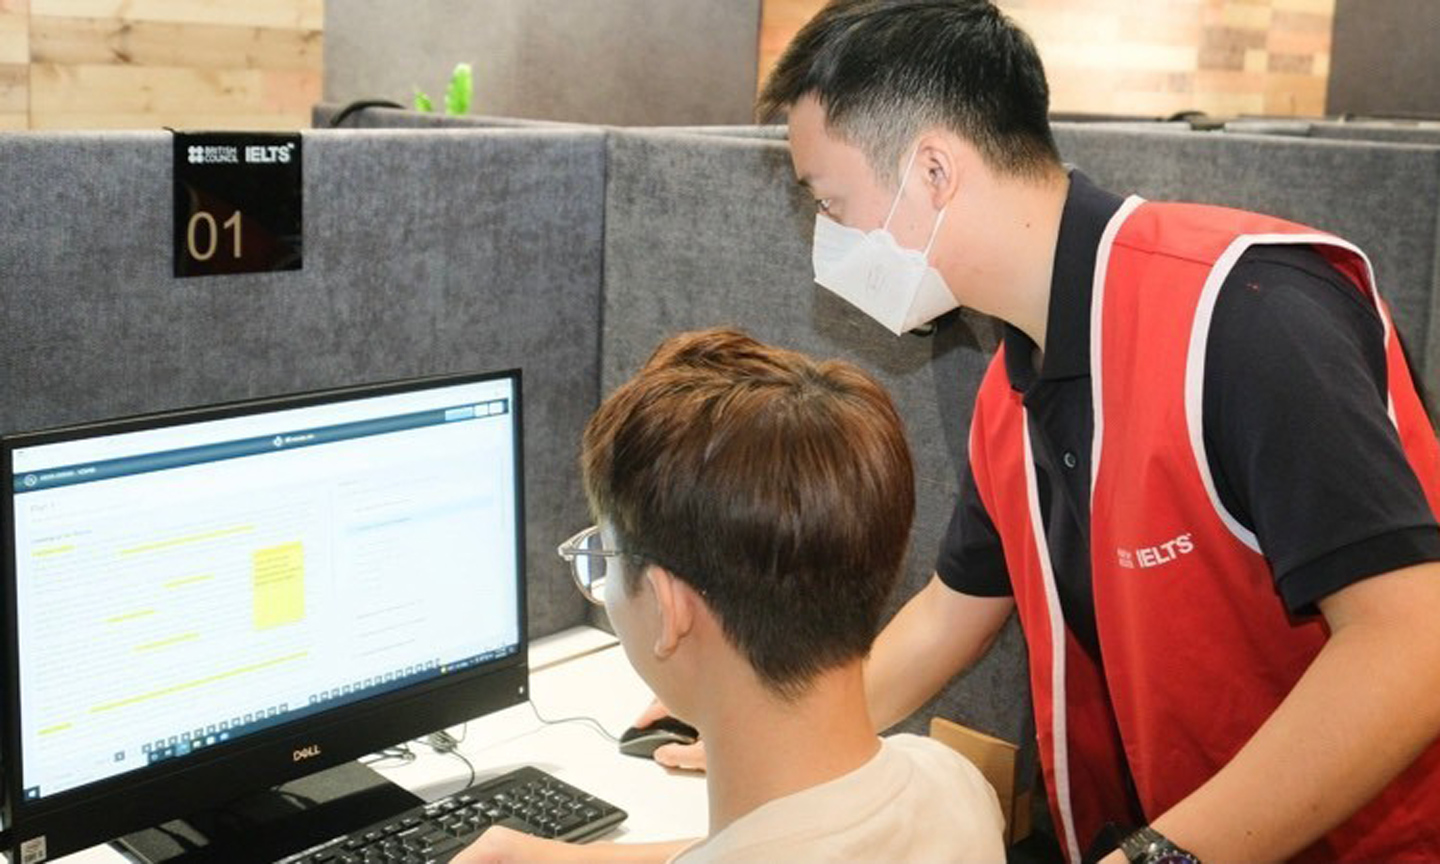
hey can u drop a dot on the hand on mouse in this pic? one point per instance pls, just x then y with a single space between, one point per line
685 757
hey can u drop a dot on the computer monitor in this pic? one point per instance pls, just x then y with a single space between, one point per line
206 603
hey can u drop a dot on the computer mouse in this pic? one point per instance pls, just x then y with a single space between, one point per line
644 741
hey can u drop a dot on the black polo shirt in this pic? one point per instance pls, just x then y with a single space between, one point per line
1301 447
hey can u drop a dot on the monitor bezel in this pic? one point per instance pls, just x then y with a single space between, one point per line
149 795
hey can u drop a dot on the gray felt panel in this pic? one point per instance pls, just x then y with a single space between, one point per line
1271 126
1396 132
424 252
1385 58
1098 117
393 118
390 118
773 132
1382 197
705 231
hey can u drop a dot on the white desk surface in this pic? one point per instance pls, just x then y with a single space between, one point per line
581 671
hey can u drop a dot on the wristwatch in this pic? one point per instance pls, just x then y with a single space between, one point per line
1148 846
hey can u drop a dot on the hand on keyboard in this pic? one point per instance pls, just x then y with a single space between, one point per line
500 845
525 798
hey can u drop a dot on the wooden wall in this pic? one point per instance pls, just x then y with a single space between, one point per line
1155 57
117 64
14 64
73 64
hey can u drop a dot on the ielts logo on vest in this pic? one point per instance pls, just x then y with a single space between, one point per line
1154 556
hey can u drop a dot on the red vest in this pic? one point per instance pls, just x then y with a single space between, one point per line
1198 647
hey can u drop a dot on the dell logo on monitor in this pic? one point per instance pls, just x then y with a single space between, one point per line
306 753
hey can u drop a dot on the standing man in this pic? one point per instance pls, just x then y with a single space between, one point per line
1198 468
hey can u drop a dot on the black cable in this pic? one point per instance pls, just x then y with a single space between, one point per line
444 743
595 724
401 752
301 801
1187 116
361 105
185 843
404 754
468 764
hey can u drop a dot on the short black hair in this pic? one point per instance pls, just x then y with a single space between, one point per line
781 488
886 70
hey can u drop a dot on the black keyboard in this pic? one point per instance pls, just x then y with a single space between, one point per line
526 799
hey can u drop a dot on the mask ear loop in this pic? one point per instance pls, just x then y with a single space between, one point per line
909 163
935 231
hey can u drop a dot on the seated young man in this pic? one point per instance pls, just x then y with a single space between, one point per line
761 503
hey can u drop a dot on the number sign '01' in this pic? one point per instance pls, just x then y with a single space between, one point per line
237 203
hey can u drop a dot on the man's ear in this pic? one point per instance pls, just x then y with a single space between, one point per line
675 604
942 159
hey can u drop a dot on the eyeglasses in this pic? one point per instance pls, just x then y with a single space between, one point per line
589 563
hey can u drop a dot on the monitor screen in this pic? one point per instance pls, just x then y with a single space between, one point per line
189 592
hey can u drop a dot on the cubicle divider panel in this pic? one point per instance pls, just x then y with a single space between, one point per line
1377 131
1427 133
705 231
424 253
771 132
1365 188
377 117
1385 198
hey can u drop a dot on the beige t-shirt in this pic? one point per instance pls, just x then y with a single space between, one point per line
915 800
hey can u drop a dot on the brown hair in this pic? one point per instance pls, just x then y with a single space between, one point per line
778 487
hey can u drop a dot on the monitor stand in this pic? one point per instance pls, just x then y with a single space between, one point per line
275 823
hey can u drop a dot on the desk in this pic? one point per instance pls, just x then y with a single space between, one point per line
581 671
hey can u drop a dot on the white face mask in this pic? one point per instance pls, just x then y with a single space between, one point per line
893 285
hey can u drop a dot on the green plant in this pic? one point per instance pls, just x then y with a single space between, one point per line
458 92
